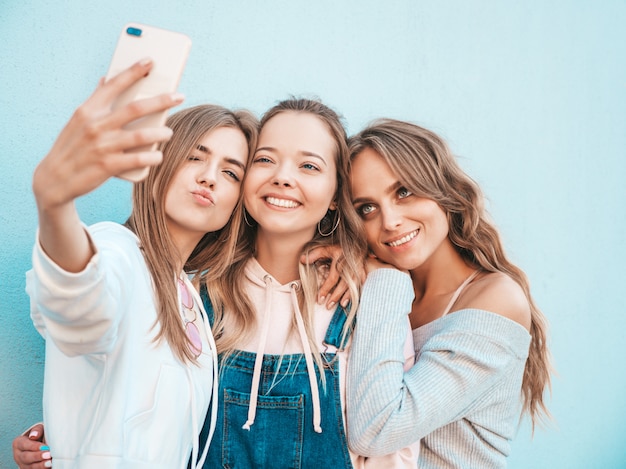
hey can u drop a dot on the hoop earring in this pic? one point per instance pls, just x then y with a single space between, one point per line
245 218
319 226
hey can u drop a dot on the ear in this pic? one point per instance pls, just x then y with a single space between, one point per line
333 205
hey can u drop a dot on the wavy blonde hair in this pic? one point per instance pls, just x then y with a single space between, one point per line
426 166
235 319
215 250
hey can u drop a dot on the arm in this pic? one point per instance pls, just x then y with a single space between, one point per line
389 408
88 151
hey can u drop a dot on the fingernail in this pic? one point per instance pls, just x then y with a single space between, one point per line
145 61
47 464
321 300
46 455
44 448
344 303
331 304
33 434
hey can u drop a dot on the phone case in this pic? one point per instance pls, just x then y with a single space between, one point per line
169 51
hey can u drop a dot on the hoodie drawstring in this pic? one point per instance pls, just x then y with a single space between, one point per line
308 356
256 375
195 462
194 419
215 393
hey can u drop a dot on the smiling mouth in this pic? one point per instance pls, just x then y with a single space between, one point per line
403 240
283 203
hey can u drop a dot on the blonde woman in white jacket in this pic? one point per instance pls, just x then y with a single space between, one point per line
130 359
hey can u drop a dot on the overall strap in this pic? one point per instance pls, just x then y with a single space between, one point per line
206 301
334 333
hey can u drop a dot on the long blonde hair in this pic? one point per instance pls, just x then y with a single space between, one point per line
235 319
148 220
423 162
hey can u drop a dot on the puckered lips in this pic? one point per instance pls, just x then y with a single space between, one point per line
203 197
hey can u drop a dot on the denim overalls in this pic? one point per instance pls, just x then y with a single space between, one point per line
282 435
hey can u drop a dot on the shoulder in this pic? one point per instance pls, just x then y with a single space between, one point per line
498 293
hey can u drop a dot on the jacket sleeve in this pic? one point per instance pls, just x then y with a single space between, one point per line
388 408
78 311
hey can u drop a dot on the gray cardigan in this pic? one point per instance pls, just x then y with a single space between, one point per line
462 397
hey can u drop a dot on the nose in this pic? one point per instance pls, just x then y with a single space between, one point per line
207 176
390 218
283 176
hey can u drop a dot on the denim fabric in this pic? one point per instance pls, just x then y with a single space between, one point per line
282 435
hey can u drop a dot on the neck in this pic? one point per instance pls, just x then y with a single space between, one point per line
441 274
184 244
280 255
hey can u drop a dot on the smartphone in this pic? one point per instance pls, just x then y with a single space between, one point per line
168 51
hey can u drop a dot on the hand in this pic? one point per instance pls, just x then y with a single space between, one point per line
328 260
30 452
93 146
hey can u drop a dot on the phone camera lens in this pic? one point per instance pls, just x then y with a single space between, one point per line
133 31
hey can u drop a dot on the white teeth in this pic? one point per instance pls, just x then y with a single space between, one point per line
404 239
281 202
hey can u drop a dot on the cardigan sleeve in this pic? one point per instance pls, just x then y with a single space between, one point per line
466 357
80 311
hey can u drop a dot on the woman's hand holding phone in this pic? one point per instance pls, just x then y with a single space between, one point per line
94 146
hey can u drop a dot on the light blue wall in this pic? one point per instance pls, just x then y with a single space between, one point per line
531 95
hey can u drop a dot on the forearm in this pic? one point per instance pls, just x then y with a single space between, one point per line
63 237
377 358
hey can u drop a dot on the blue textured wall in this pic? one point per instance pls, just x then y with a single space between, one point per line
531 95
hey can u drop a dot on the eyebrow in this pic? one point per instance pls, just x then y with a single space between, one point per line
302 152
391 188
228 159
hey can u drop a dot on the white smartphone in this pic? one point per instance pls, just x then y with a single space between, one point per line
168 51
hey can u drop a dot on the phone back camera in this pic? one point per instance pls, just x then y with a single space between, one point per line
133 31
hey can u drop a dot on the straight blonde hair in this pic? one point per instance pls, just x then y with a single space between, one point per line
426 166
215 251
235 320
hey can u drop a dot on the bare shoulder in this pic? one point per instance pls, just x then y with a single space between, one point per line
498 293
